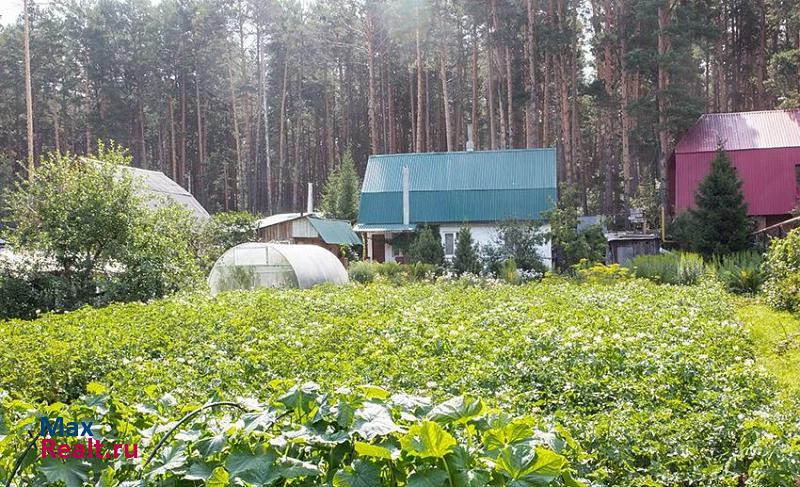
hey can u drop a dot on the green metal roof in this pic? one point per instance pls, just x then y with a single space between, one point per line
480 186
337 232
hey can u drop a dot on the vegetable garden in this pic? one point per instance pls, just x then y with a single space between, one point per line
624 384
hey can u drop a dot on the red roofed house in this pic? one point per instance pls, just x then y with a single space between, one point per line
763 146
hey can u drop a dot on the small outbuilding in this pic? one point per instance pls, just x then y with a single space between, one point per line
254 265
624 246
308 229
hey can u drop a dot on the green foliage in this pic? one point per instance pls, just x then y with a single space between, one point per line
223 231
639 374
569 245
740 272
366 272
342 191
466 256
362 438
88 238
515 241
648 200
782 269
669 268
721 225
598 273
426 248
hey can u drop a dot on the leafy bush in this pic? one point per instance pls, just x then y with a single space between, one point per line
517 242
366 272
362 271
426 248
340 196
739 272
655 376
782 269
301 436
601 273
223 231
669 268
94 238
570 246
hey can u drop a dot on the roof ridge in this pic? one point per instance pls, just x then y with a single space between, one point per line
777 110
439 153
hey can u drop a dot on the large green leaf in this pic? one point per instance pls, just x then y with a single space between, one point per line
526 465
241 461
369 450
506 435
219 478
373 420
300 397
72 472
429 477
457 410
171 458
428 439
362 474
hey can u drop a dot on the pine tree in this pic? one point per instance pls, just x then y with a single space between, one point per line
466 258
426 248
720 225
340 196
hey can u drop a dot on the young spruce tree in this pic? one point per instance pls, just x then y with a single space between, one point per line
721 225
466 258
342 189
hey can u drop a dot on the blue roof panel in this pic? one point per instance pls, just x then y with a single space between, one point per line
460 186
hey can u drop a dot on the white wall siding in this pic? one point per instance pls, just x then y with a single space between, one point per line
486 234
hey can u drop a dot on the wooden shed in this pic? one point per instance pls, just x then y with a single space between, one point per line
624 246
308 228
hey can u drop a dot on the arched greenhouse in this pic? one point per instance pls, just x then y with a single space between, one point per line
255 265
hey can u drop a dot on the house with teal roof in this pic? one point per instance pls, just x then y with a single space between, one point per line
482 189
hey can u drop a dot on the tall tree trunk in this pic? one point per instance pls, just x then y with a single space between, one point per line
546 101
56 129
664 47
446 100
241 191
420 89
182 167
510 98
532 112
28 95
475 122
490 90
282 133
267 146
412 102
194 182
369 27
391 109
172 159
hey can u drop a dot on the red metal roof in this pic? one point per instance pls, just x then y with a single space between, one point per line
767 129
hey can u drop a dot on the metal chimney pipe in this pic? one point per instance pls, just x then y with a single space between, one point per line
406 198
310 205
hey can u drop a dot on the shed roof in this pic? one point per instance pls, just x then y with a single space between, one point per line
336 232
459 186
281 218
766 129
157 184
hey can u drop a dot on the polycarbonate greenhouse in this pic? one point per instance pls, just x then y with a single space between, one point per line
256 265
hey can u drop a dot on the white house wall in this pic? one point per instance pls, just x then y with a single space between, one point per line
486 234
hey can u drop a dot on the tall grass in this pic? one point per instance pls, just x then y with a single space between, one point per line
740 272
669 268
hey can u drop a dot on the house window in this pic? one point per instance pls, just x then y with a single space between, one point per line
449 243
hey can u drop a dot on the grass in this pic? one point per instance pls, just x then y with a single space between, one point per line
776 335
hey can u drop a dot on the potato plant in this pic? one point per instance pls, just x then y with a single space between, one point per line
301 436
657 384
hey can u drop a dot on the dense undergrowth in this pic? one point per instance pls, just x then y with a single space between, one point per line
656 383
